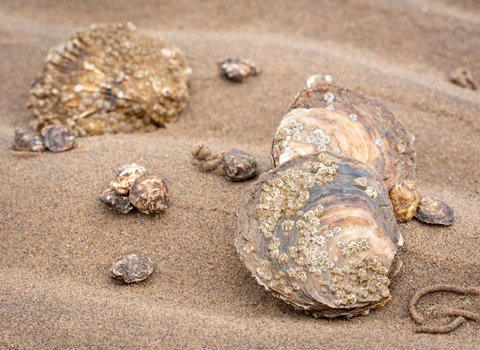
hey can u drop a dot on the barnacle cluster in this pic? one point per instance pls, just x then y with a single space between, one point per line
312 253
110 79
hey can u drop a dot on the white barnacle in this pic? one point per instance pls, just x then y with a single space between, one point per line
328 97
379 142
330 108
353 117
370 191
292 123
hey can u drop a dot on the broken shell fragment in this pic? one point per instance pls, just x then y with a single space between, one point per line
116 201
312 235
27 142
128 174
239 166
149 193
58 138
405 198
434 211
238 69
327 117
110 79
131 267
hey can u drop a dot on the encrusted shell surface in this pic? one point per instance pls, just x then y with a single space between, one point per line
319 232
115 201
239 166
434 211
325 116
27 142
131 267
110 79
149 193
58 138
128 174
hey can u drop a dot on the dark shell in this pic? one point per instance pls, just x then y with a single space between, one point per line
434 211
239 166
132 267
110 79
405 198
149 193
319 232
27 142
328 117
58 138
116 201
238 69
128 174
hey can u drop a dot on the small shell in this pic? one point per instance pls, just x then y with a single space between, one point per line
110 79
116 201
238 69
149 193
239 166
358 127
58 138
24 141
464 78
317 240
405 198
205 159
132 267
128 174
433 211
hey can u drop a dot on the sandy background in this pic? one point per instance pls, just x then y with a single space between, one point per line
57 239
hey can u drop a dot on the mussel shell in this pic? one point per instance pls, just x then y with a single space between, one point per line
110 79
319 232
149 193
58 138
351 124
115 201
27 142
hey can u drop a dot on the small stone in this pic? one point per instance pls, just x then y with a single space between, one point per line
238 69
239 166
132 267
464 78
116 201
58 138
434 211
24 141
149 193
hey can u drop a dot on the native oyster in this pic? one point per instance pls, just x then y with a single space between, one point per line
110 79
131 267
319 232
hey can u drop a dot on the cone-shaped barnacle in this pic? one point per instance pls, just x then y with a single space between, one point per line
110 79
319 232
149 193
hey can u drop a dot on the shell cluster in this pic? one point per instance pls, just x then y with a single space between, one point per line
110 79
136 187
55 138
320 233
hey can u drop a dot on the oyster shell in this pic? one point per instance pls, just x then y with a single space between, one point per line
110 79
149 193
115 201
128 174
131 267
238 69
58 138
239 166
319 232
434 211
327 117
27 142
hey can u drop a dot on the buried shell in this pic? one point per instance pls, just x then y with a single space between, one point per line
319 233
131 267
27 142
327 117
149 193
110 79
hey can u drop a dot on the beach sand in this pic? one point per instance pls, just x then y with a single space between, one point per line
57 240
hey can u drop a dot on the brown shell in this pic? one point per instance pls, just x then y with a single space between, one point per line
405 198
58 138
149 193
349 124
27 142
238 69
128 174
116 201
239 166
434 211
319 232
131 267
110 79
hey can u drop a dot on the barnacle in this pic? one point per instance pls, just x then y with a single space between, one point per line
110 79
334 254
